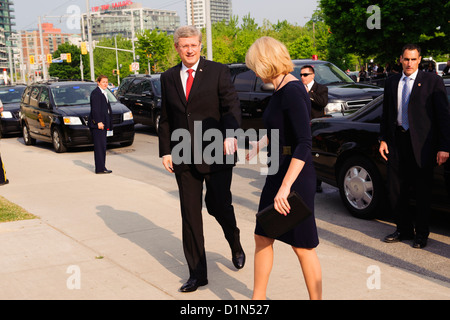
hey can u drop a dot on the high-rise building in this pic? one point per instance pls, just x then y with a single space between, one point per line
110 20
196 12
6 24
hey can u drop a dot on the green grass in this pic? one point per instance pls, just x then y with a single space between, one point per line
12 212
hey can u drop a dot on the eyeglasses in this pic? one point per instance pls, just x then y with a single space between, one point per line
187 47
305 74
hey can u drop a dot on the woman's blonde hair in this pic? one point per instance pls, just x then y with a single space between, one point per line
269 58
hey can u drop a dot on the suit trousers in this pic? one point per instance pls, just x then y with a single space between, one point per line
406 178
2 171
218 202
99 139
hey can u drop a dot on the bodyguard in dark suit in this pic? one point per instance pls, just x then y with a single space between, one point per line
318 93
100 122
415 136
198 93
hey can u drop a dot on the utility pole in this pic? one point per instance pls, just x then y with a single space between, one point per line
209 49
91 47
44 67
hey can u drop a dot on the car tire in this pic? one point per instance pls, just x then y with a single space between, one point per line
27 139
360 187
57 140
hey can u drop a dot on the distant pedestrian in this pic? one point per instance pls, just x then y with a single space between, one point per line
3 179
100 122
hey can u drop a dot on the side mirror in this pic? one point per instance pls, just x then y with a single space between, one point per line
267 87
44 105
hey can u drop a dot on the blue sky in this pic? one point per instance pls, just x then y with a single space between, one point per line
27 11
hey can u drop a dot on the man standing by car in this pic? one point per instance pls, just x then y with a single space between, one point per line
318 93
100 123
3 179
198 91
415 135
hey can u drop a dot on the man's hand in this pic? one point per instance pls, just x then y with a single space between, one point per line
229 146
442 157
167 163
384 151
101 126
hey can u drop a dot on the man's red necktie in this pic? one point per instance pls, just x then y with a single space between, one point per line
189 83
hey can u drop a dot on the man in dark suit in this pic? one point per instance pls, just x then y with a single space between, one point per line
415 136
318 93
198 93
100 122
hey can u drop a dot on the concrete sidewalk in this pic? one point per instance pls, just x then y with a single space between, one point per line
118 238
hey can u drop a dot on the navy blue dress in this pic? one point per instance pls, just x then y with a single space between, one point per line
289 111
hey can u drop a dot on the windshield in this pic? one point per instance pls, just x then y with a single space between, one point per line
11 95
78 94
325 73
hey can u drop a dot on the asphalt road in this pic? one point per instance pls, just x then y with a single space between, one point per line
336 226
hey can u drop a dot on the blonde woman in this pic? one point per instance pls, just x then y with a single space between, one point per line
289 111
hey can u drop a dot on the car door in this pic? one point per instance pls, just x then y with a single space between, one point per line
32 112
45 113
133 99
146 104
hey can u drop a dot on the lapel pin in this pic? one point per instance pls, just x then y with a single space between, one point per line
201 70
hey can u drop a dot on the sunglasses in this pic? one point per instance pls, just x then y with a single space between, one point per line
305 74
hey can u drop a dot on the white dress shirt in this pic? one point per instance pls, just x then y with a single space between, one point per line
184 74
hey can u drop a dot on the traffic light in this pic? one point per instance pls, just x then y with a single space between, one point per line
83 48
69 58
31 59
49 58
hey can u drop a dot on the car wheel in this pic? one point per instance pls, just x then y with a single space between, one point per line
27 139
156 124
360 187
57 141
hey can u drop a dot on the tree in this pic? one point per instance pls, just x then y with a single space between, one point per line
70 70
424 22
155 48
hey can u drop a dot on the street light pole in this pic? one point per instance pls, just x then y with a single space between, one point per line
91 47
44 67
209 49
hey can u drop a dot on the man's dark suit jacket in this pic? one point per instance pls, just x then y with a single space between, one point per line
319 99
212 101
99 110
428 113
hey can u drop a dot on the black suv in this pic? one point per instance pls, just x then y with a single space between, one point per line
141 93
9 119
343 93
57 112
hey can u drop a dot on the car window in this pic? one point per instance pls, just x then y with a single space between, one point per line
325 73
76 94
448 93
26 95
135 87
34 96
44 97
11 95
124 85
245 81
157 86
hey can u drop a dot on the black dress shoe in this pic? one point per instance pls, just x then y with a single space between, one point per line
420 242
192 284
104 171
3 183
238 259
397 237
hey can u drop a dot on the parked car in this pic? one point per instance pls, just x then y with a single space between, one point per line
345 152
57 112
142 95
9 120
440 68
343 93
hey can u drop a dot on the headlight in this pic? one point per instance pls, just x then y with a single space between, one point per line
70 121
333 107
6 115
128 116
